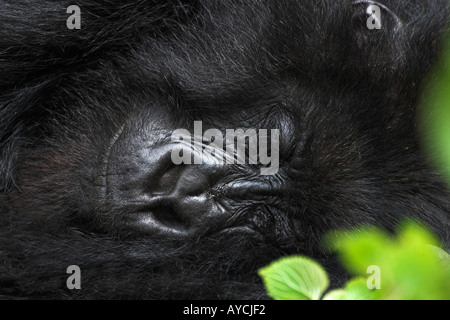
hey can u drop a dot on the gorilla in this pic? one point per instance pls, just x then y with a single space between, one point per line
86 122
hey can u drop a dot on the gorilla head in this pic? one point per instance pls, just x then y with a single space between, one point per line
87 118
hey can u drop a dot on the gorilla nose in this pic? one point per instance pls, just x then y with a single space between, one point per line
157 197
181 202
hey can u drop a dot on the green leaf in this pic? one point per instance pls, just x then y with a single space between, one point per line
356 289
409 269
435 115
294 278
338 294
361 248
444 256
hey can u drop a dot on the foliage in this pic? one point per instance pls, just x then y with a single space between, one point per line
435 114
411 268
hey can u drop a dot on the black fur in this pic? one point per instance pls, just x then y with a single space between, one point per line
348 95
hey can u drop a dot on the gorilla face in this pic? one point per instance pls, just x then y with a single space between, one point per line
142 187
86 139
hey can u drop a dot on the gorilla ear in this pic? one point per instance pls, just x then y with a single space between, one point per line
379 36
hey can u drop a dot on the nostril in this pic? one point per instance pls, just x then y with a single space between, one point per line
155 197
167 217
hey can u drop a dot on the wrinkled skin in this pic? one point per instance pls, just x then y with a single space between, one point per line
86 118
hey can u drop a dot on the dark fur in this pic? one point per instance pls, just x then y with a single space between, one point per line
355 159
